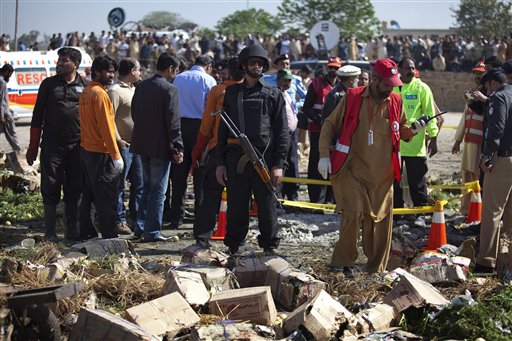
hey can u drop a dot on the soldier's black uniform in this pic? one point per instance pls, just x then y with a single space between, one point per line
263 120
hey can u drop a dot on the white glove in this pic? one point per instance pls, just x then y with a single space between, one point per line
418 126
324 167
118 165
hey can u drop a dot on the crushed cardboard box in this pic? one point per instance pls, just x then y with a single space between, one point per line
99 248
251 271
99 325
197 255
189 284
377 318
402 250
321 318
215 278
448 269
166 315
226 330
411 291
249 304
290 287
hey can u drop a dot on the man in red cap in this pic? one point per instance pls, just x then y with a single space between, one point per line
313 107
368 124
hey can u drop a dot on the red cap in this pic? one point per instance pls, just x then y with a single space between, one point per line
479 67
334 61
388 70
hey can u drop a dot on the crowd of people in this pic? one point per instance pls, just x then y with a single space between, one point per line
449 53
369 133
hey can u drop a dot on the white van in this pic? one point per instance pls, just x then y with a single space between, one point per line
30 68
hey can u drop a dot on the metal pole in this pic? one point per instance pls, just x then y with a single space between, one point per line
16 28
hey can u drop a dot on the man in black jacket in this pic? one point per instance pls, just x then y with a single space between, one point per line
157 139
496 162
258 110
56 117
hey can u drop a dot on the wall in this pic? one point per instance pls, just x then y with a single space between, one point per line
448 88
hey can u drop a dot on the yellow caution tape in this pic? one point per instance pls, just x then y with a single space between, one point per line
332 207
309 205
449 127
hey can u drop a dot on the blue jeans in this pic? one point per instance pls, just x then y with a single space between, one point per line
133 171
150 213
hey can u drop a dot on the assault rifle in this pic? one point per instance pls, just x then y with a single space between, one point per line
257 162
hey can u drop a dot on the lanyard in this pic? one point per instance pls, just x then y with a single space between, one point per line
371 117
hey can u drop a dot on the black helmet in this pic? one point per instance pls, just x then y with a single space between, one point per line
254 50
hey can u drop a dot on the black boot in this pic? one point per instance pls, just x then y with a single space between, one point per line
71 213
50 214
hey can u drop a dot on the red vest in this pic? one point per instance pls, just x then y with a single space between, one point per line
473 127
322 88
349 126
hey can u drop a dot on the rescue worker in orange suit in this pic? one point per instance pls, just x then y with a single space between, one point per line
471 131
203 155
368 124
313 107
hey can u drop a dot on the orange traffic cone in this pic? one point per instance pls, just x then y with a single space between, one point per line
253 210
437 236
221 220
475 206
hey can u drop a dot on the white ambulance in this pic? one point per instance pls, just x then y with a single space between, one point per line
30 68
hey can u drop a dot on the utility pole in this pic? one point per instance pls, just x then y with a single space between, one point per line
16 28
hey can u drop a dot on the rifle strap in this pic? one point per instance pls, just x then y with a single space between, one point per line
241 116
242 162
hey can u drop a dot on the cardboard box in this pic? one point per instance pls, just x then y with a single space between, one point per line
321 318
249 304
226 331
99 248
252 271
216 279
197 255
412 291
189 284
290 288
380 317
166 315
99 325
452 269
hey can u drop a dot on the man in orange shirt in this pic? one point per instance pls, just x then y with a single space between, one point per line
205 145
100 158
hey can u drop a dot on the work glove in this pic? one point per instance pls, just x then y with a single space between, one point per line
118 165
419 124
324 167
33 147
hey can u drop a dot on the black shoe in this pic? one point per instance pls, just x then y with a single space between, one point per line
203 243
158 238
270 251
482 269
51 238
175 225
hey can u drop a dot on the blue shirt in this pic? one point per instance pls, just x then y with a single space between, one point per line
296 88
193 88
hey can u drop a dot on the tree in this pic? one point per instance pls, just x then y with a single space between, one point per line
487 18
162 20
353 18
250 21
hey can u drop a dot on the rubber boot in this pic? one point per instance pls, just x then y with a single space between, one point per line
71 213
50 214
